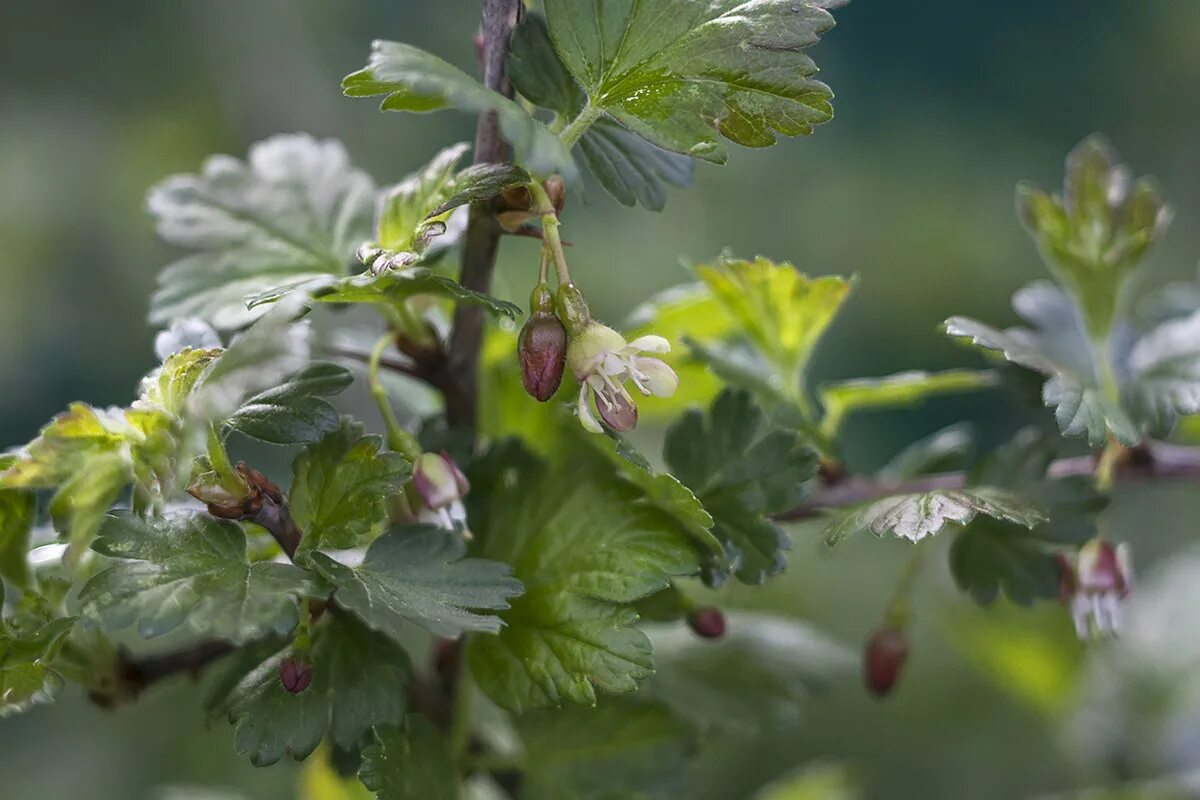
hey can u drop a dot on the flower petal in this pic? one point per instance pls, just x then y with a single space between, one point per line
649 344
656 376
586 418
619 413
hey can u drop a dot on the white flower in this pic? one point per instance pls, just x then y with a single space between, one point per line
602 361
1093 584
441 486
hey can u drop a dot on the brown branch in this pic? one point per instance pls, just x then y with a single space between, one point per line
133 676
459 376
1153 462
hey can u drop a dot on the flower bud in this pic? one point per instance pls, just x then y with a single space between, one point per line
883 659
556 191
542 346
368 252
1092 585
295 674
708 623
438 480
572 309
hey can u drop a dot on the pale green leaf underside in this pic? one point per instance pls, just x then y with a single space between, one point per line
902 389
679 73
917 516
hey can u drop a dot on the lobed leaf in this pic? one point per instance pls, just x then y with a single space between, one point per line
18 512
586 547
340 487
410 762
27 673
743 470
923 514
191 569
417 574
900 389
295 411
680 73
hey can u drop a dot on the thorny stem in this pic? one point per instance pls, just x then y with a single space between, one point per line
543 205
398 438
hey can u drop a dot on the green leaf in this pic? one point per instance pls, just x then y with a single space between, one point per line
1164 374
480 182
679 74
410 764
1058 348
586 546
943 451
991 555
922 514
1095 233
621 748
760 674
358 681
27 674
395 287
629 168
18 511
817 782
294 212
743 470
901 389
190 568
170 386
781 311
340 487
294 412
418 574
414 80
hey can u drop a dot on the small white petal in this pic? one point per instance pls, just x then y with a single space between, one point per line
649 344
586 419
656 376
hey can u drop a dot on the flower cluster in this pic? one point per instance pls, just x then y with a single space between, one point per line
603 362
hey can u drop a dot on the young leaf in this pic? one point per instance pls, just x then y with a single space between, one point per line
1058 348
743 470
294 412
417 574
27 674
18 510
414 80
917 516
292 213
679 74
991 555
480 182
1094 234
1164 374
781 311
901 389
585 547
170 386
629 168
395 287
403 208
413 762
190 568
621 748
340 486
358 682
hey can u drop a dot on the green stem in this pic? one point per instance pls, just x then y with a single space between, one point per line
1106 465
219 459
398 438
464 701
897 613
578 126
542 205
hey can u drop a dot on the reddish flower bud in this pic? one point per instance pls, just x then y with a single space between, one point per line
707 622
883 659
542 347
295 674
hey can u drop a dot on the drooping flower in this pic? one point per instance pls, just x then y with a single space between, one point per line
1092 585
441 487
883 660
603 362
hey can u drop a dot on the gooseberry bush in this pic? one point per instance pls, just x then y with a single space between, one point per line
494 594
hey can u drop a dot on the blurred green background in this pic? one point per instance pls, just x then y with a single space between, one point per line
941 107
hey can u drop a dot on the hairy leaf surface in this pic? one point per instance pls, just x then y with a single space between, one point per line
919 515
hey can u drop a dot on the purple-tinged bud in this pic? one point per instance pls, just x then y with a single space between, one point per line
438 480
1092 585
542 346
708 623
883 660
295 674
618 412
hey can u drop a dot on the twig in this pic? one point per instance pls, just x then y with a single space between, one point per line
1153 462
460 374
265 506
134 675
